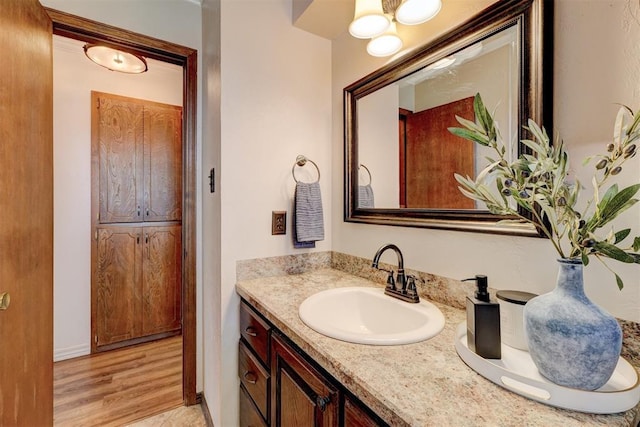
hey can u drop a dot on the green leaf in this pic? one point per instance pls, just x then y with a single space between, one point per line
618 127
621 235
636 244
469 124
619 203
470 135
539 133
585 259
534 146
612 251
612 191
483 116
619 282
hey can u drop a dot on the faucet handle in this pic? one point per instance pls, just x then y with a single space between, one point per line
411 284
391 282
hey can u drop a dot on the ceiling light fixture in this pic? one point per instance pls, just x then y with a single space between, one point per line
386 43
376 19
115 60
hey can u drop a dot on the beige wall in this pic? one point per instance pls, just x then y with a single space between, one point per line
275 104
594 70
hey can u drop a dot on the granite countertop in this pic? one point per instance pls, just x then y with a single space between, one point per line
422 384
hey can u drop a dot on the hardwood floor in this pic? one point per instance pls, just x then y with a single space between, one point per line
118 387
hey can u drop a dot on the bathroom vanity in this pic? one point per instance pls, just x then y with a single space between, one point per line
288 370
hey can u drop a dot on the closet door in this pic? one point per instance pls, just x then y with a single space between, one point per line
162 162
118 128
116 293
162 280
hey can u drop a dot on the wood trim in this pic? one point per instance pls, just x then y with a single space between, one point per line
76 27
79 28
205 408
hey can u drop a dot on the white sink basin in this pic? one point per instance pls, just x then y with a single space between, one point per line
367 316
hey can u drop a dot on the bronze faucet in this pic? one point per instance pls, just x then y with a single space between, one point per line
407 291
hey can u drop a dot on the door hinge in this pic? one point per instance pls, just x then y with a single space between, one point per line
96 235
95 338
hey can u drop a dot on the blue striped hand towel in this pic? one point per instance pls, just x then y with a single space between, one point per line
308 215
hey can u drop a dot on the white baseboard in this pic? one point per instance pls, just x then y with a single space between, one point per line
71 352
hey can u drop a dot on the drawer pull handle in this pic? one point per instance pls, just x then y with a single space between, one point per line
251 331
322 402
251 377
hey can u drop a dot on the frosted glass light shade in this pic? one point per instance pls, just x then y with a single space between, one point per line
385 44
115 60
413 12
369 20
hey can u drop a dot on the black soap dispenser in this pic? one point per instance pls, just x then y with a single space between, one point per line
483 322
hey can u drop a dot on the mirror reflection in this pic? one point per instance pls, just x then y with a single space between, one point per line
400 158
407 157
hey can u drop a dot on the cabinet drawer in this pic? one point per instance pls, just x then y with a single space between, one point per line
255 331
249 414
254 378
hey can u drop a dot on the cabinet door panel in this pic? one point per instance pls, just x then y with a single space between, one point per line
300 395
163 163
162 280
119 136
117 287
355 415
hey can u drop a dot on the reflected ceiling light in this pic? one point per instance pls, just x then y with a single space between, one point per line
374 19
470 52
115 60
385 44
443 63
414 12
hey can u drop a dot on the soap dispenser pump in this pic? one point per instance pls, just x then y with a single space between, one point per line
483 321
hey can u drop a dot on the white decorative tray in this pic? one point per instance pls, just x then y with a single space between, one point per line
517 373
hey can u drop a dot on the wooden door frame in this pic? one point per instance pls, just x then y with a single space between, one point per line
79 28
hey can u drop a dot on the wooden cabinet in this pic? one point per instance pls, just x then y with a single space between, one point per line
356 415
253 368
281 386
138 154
300 394
162 163
161 279
137 211
138 283
117 291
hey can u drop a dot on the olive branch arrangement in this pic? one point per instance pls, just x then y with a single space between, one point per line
537 183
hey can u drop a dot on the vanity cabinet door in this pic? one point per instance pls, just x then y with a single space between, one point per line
356 415
300 395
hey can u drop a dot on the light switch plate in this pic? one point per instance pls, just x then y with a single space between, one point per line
278 222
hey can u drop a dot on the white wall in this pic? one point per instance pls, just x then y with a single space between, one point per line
275 104
378 129
176 21
74 77
593 71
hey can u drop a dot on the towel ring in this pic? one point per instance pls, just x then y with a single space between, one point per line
301 161
368 172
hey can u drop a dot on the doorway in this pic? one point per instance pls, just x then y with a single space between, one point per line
77 28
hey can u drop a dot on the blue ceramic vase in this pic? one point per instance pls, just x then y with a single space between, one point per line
572 341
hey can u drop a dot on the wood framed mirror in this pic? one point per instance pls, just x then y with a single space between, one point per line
400 157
